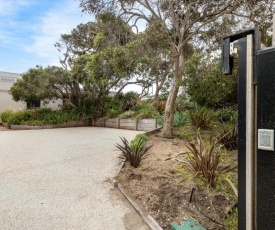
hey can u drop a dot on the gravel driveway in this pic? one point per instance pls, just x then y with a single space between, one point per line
59 179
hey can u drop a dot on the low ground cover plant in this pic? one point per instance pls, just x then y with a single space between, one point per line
39 116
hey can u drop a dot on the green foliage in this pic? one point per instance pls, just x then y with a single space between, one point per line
32 86
182 103
204 160
144 138
201 117
187 132
180 118
159 118
207 86
6 114
132 153
231 222
112 113
226 115
130 101
145 110
41 116
127 114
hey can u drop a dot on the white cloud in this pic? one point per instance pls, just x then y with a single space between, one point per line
61 19
11 7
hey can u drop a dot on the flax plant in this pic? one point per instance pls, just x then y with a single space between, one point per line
133 153
203 160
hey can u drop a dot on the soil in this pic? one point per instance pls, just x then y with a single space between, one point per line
155 187
3 128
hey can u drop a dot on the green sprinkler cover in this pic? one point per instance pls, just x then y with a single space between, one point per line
189 224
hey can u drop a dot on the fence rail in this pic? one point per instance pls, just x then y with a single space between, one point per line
131 124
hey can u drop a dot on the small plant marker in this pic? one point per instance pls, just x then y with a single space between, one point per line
189 224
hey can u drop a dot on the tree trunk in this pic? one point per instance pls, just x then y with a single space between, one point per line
167 130
156 97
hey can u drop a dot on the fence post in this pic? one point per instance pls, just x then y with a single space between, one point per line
118 123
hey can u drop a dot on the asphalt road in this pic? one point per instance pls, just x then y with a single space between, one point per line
59 179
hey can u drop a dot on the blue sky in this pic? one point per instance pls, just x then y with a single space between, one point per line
30 28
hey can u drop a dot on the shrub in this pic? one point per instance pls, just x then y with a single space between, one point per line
111 113
132 153
228 135
145 110
160 105
20 117
6 114
201 117
137 138
130 101
204 160
127 114
226 115
41 116
207 86
159 118
180 119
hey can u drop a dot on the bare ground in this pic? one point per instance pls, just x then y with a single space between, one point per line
155 187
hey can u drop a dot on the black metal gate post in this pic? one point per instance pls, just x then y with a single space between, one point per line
266 127
248 43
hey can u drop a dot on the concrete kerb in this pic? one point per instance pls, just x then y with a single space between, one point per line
148 219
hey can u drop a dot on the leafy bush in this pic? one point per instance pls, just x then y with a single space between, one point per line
201 117
207 86
137 138
180 119
145 110
228 135
159 118
132 153
111 113
130 101
204 160
41 116
127 114
226 115
183 103
160 105
6 114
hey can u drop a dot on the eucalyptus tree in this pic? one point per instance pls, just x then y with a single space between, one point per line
180 22
258 13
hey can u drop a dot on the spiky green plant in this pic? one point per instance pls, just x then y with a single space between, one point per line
133 153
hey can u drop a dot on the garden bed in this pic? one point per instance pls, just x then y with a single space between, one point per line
65 125
155 187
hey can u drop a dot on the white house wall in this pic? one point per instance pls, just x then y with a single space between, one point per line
6 101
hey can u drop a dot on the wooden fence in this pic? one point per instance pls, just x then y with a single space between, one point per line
141 125
117 123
